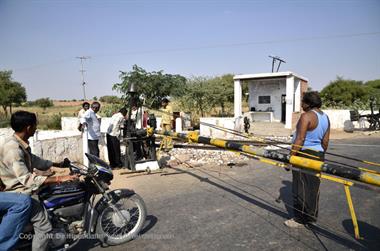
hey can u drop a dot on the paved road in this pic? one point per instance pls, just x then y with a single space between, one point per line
242 208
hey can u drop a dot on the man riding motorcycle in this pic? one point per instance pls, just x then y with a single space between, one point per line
16 171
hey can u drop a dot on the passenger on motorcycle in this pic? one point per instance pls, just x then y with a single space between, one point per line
16 171
15 210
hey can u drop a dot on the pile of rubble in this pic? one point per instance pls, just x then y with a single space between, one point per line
198 157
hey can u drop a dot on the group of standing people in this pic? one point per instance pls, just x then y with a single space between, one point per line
89 119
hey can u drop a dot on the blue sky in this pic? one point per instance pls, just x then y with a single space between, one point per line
320 40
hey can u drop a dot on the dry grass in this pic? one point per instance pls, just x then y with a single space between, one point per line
70 103
48 118
67 111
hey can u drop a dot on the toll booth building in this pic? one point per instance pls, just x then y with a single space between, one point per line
272 97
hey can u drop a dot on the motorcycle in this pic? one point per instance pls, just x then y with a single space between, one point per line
75 213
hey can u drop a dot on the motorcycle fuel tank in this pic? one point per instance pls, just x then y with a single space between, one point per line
64 194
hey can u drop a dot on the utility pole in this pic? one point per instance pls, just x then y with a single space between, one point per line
82 59
274 59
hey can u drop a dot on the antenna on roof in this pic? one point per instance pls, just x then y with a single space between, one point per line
274 60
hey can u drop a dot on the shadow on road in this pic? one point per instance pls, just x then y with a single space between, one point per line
253 199
286 197
87 244
369 233
150 221
327 233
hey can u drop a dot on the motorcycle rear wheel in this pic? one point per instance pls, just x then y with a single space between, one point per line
112 228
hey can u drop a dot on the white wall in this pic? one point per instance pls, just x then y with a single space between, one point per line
71 124
339 117
289 101
237 98
53 145
56 149
297 95
272 87
220 122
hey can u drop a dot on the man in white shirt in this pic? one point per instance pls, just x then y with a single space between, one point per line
114 134
85 107
93 128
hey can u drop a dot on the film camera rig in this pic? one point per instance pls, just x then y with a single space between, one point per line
140 151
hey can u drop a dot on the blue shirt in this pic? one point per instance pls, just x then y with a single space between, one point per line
313 139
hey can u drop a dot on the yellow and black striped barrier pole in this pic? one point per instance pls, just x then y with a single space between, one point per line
264 155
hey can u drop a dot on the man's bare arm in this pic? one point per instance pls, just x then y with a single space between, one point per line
302 127
326 138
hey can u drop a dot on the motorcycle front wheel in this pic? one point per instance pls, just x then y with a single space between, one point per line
119 227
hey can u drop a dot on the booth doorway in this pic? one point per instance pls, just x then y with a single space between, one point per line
283 108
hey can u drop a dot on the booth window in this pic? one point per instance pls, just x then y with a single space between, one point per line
264 99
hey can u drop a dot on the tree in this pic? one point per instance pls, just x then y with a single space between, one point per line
198 96
373 88
222 90
11 92
154 86
43 103
344 93
373 84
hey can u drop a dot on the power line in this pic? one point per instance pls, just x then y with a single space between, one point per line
215 46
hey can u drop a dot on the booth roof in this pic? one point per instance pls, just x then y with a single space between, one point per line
269 75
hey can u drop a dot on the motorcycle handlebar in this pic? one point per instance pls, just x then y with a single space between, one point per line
76 169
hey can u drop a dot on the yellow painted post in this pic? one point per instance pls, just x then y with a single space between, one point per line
352 212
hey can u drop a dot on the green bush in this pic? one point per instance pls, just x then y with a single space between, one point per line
54 122
342 93
350 94
41 102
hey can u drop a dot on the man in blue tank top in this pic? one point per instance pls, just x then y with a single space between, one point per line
310 141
